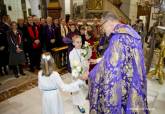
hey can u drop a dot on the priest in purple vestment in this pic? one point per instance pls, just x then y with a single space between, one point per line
118 82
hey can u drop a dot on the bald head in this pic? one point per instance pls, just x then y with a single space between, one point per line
109 16
20 21
109 21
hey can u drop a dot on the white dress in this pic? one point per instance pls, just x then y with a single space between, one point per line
51 98
78 98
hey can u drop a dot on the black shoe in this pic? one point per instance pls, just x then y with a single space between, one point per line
17 76
82 110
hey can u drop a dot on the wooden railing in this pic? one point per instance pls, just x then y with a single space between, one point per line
60 56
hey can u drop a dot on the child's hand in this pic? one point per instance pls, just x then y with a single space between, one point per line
18 50
85 76
93 61
37 41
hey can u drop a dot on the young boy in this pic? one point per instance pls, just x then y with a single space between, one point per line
77 60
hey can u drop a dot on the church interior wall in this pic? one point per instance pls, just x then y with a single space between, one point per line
14 9
133 11
125 7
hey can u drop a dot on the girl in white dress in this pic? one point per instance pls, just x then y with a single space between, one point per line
50 82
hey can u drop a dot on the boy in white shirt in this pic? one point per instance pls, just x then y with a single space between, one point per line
79 65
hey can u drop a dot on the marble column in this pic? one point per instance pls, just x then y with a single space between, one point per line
133 10
35 7
62 4
84 8
43 8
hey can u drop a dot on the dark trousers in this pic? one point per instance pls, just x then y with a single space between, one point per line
17 69
5 70
35 56
26 53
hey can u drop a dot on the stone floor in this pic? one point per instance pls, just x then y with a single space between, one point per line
29 102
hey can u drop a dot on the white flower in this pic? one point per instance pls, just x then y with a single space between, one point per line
75 73
79 68
75 63
84 52
46 57
86 44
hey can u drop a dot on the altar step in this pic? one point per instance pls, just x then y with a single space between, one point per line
11 86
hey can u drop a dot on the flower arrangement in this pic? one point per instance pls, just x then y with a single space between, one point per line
86 52
77 70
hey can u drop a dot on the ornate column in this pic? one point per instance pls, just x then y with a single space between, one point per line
62 4
43 8
84 8
71 9
35 7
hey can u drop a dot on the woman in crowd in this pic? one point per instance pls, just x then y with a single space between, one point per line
16 53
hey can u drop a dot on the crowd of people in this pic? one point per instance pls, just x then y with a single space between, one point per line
23 42
116 80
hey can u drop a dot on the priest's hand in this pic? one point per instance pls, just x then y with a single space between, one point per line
37 41
52 41
85 76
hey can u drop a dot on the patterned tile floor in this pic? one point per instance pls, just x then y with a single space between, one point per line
29 102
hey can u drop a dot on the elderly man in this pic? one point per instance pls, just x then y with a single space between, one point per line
33 44
48 35
118 82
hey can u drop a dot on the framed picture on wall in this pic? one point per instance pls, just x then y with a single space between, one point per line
155 16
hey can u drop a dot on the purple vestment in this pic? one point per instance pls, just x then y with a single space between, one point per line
118 82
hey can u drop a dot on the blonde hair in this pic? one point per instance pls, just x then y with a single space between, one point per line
47 63
75 37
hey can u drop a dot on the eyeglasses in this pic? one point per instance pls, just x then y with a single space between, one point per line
103 23
101 26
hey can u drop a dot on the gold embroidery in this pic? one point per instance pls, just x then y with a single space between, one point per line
114 97
115 54
100 71
138 63
137 103
124 30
